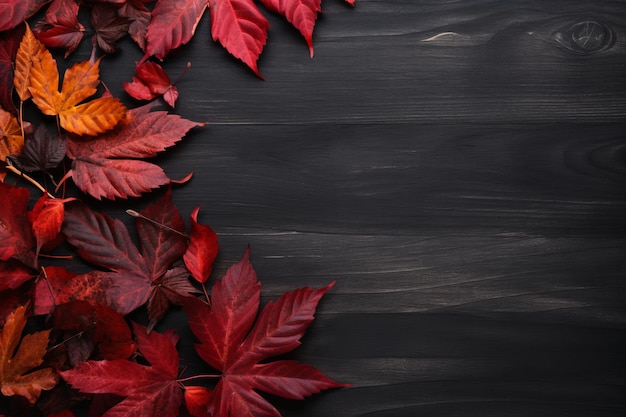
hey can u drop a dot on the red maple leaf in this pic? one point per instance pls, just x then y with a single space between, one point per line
232 343
107 166
137 276
148 390
152 82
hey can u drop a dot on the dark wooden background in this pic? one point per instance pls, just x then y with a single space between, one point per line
458 167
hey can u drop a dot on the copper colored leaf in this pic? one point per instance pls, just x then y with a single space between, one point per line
11 140
29 47
302 14
202 250
59 27
148 390
234 346
79 83
14 12
173 24
241 28
16 238
105 167
19 356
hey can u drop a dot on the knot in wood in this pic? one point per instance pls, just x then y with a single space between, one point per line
587 36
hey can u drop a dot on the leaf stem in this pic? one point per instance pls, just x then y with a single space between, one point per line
13 169
74 336
206 295
180 77
141 216
189 378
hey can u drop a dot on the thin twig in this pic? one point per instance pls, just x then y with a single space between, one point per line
28 178
141 216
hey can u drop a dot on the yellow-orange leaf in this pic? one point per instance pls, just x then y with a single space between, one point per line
15 365
29 47
11 140
79 83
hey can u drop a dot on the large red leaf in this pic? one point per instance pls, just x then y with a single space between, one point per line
230 343
302 14
139 276
148 390
16 239
241 28
106 166
173 24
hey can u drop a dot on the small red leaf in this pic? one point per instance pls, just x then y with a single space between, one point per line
60 27
47 219
151 82
302 14
202 249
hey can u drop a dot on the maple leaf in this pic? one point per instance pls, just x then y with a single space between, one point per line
79 83
14 12
302 14
173 24
59 27
148 390
9 43
202 249
109 26
19 358
241 28
102 167
137 276
15 235
230 343
151 82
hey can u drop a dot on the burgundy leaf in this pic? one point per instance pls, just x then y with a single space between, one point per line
139 17
109 26
42 151
60 27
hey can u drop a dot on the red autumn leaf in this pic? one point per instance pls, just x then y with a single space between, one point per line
202 249
16 239
139 16
105 166
151 82
59 27
241 28
47 218
238 348
109 26
59 286
148 390
137 276
14 12
9 43
13 274
302 14
173 24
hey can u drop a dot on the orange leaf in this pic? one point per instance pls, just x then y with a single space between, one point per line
15 378
79 83
29 47
11 140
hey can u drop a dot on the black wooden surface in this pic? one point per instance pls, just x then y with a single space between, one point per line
458 167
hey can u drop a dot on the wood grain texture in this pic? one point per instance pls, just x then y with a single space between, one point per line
458 167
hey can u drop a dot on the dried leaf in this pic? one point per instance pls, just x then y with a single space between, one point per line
19 356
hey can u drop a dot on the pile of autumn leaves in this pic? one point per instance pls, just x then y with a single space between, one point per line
86 342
